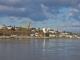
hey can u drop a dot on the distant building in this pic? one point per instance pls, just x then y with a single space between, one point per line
52 35
51 31
9 27
46 30
32 34
16 28
36 34
2 27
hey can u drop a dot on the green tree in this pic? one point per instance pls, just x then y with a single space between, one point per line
47 34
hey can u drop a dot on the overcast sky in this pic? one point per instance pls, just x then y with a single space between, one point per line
55 14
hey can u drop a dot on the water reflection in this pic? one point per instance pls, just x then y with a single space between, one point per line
40 49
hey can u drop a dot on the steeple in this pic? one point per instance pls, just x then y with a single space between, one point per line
28 26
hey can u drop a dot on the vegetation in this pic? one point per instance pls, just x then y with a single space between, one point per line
14 32
47 34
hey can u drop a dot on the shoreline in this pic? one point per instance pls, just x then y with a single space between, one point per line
32 37
23 37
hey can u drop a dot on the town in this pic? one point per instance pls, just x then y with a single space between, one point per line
27 32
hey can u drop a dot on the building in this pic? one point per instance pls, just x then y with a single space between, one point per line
9 27
2 27
46 30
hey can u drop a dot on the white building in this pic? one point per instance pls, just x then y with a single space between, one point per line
2 27
46 30
52 35
9 27
51 31
36 34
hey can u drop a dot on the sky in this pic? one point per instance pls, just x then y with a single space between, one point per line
55 14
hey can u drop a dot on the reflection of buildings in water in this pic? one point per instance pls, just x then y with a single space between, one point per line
43 45
28 45
35 40
36 43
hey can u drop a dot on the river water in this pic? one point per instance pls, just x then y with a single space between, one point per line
40 49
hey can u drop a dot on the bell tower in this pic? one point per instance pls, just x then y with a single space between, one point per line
28 29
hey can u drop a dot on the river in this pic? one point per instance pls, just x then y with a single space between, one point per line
40 49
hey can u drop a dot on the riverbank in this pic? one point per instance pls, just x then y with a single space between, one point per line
29 37
21 37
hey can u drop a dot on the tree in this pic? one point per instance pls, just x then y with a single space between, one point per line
47 34
13 28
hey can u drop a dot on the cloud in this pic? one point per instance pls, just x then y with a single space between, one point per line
11 11
39 10
75 24
74 13
60 3
61 25
11 17
27 9
23 21
9 1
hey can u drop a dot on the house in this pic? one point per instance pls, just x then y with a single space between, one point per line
33 30
9 27
51 31
32 34
52 35
46 30
36 34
